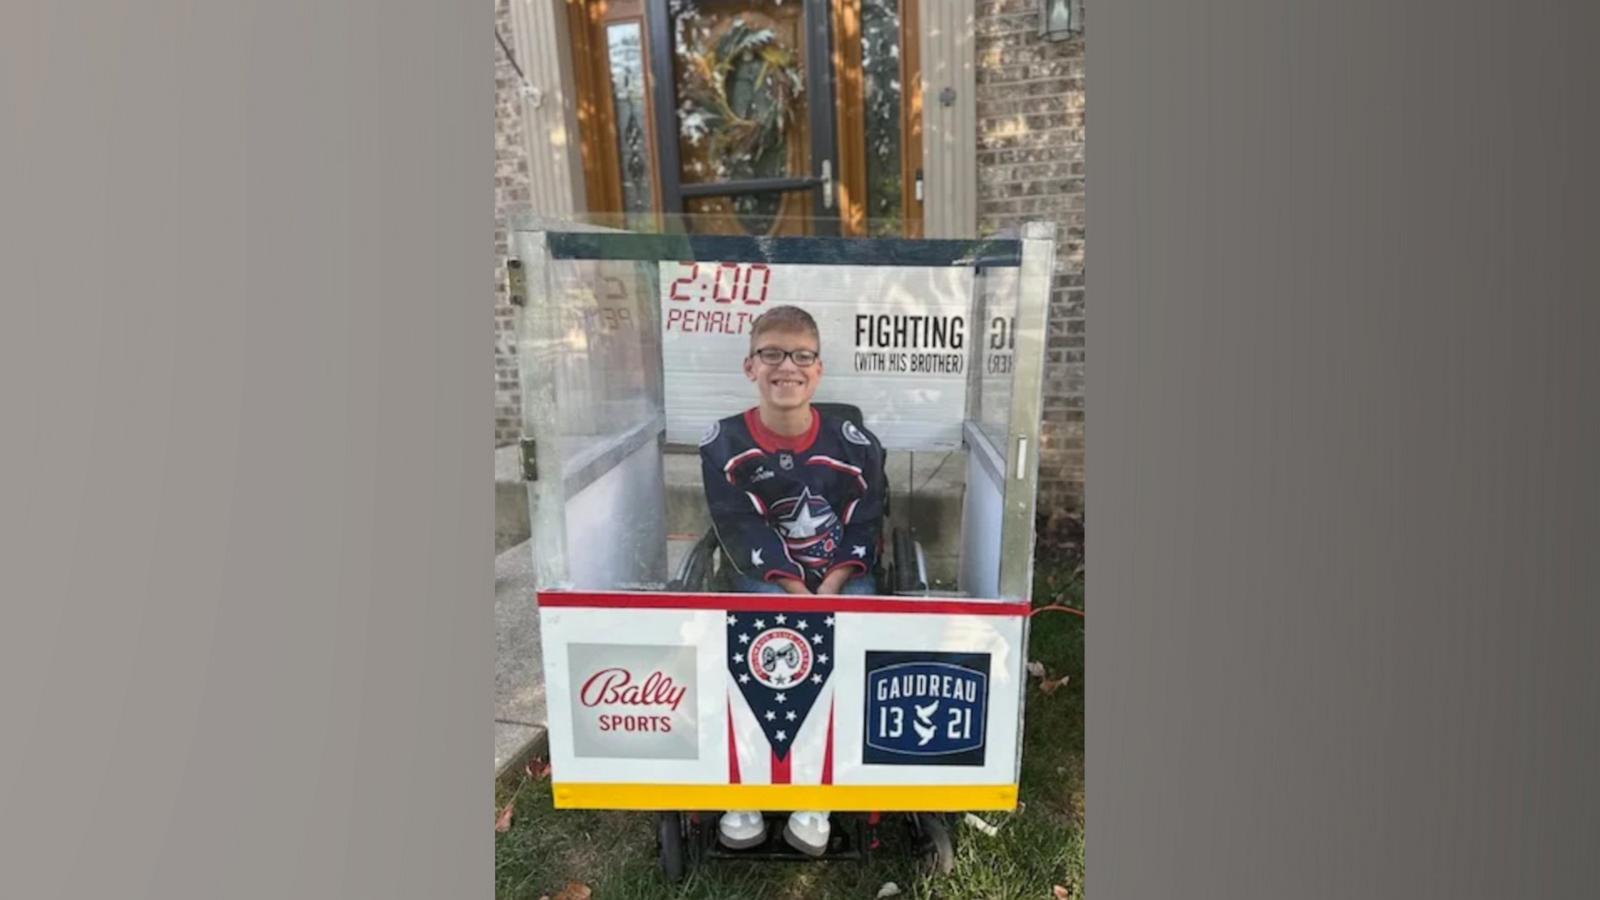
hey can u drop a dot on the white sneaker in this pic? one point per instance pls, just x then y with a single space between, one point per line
808 832
741 830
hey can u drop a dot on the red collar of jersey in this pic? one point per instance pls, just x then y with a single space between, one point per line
772 442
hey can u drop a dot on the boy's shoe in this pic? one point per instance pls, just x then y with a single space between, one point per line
808 832
741 830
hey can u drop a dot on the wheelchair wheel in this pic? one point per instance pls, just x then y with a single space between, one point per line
938 845
669 845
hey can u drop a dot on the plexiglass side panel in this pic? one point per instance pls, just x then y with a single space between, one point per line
590 355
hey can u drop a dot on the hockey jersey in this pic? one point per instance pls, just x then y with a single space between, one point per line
794 506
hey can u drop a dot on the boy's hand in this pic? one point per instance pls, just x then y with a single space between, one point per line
834 581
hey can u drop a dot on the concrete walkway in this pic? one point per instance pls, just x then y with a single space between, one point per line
519 707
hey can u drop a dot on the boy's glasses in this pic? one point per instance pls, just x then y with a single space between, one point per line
773 356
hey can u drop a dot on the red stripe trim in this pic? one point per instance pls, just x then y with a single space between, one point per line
850 510
760 507
827 751
832 463
780 603
733 748
780 767
837 466
728 469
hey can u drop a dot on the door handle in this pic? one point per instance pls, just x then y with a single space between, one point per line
827 184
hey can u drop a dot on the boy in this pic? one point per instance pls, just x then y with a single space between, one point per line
796 500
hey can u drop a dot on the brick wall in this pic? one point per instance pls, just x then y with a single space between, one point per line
1030 167
510 197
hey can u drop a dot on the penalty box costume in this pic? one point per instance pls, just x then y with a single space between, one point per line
788 507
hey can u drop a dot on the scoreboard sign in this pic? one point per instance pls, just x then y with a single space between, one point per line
896 341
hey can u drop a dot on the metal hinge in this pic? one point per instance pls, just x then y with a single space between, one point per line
516 282
530 459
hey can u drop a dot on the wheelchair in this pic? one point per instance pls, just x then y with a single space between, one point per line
684 839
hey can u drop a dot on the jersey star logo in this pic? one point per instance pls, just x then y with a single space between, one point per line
755 557
802 523
858 551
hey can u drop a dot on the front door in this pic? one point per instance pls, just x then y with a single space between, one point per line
746 87
758 117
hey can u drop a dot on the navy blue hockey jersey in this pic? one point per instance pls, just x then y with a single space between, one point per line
794 507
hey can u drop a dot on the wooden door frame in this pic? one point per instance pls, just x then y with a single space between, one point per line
851 116
598 137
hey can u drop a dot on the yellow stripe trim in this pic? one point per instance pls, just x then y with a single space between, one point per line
836 797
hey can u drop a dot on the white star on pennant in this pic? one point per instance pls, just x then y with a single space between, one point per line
859 551
828 621
782 735
761 623
755 557
744 638
744 679
816 679
802 625
821 659
781 698
816 638
738 657
771 715
733 620
779 618
789 716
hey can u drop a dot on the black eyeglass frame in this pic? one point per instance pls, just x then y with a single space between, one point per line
788 354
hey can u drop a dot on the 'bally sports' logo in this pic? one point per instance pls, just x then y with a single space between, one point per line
634 701
926 708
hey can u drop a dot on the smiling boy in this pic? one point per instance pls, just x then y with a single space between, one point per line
796 500
795 495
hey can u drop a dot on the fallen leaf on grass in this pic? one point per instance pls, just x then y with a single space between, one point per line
889 889
574 891
1048 686
1060 892
1036 668
502 822
537 769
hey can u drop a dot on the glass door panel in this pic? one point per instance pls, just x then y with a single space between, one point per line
746 88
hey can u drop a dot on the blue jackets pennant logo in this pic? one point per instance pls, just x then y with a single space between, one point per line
780 662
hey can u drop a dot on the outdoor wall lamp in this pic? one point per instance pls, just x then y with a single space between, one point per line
1060 19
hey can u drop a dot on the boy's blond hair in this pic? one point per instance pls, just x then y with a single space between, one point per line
784 318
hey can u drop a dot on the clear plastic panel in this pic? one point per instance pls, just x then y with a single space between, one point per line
633 346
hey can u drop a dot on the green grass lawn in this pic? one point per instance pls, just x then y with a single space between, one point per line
1038 847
